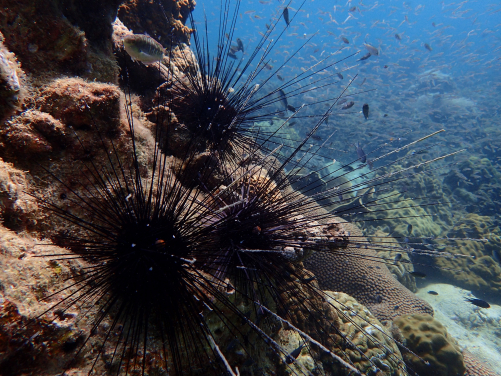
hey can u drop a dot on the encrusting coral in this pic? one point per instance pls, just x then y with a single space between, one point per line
358 272
428 339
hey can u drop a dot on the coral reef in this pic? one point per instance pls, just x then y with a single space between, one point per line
360 274
359 325
476 330
399 269
474 185
474 367
428 339
482 273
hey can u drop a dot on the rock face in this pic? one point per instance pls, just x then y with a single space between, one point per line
10 82
428 340
61 37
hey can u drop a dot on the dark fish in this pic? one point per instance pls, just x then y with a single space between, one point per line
478 302
308 280
385 67
409 229
398 257
353 9
385 115
240 45
232 55
378 299
283 98
280 77
365 110
433 24
340 76
398 37
291 358
428 47
432 292
418 274
292 123
291 108
345 40
348 105
361 153
315 137
365 57
286 16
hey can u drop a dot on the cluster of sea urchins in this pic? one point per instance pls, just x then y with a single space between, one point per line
201 278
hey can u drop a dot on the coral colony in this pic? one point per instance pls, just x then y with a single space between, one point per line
182 231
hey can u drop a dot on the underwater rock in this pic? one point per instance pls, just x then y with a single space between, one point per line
16 207
32 134
428 339
360 274
10 82
51 37
47 344
147 17
63 104
79 103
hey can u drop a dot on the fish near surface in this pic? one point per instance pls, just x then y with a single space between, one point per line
286 16
348 105
365 57
143 48
291 358
240 45
361 153
372 50
365 110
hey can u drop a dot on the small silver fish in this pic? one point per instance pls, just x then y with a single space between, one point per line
143 48
372 50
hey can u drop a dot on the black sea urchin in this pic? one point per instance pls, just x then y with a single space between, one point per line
219 101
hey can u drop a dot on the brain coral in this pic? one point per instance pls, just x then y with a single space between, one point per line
359 273
428 339
474 367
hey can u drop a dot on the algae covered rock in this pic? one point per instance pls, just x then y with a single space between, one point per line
481 271
428 339
10 83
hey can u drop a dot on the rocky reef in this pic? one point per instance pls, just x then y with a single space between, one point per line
428 340
61 95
